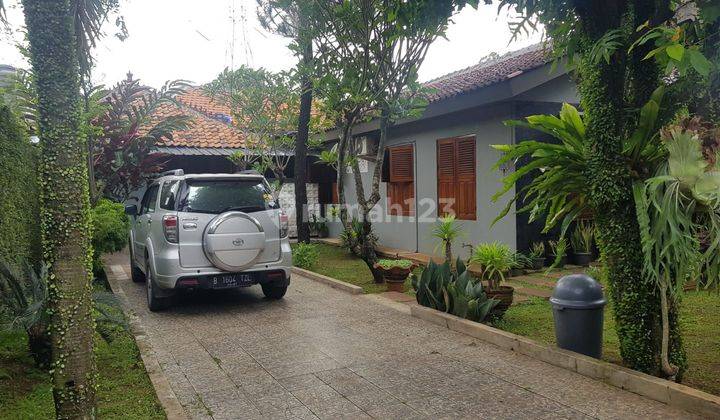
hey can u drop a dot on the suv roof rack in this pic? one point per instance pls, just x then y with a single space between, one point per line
249 172
176 172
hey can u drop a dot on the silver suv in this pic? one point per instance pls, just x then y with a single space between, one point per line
209 231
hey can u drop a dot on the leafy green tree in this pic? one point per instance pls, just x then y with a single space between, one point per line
622 51
65 217
292 19
368 56
266 109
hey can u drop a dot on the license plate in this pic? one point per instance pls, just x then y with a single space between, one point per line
226 281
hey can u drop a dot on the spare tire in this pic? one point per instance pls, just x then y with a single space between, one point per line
233 241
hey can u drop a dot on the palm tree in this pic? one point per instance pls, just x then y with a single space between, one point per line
447 231
61 34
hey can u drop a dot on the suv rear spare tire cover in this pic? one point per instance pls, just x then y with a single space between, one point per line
233 241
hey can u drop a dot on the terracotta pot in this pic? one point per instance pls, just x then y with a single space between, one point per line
505 295
582 259
395 277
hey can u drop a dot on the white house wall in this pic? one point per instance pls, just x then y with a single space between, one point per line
414 233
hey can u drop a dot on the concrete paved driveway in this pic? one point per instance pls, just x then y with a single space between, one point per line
323 353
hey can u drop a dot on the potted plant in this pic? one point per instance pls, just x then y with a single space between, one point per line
537 255
495 261
558 253
395 272
582 243
519 264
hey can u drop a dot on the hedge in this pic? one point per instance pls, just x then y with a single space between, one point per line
19 199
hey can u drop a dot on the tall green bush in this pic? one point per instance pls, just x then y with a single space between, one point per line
19 202
110 228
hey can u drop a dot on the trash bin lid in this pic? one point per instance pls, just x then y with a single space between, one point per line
578 291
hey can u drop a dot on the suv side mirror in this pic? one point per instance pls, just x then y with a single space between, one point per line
131 210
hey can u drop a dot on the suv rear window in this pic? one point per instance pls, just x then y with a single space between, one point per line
221 195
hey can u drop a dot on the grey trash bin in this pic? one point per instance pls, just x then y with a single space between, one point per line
578 304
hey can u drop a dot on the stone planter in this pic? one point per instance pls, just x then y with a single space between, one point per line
395 277
582 259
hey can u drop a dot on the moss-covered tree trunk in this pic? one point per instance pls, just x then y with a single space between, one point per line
64 205
604 96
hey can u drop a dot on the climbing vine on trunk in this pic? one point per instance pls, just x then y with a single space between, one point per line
65 206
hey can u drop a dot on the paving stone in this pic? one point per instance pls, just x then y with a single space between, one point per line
321 353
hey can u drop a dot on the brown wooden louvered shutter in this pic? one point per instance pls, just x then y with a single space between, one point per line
335 199
465 177
401 188
446 176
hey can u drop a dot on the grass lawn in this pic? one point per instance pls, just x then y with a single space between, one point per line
700 323
124 390
339 264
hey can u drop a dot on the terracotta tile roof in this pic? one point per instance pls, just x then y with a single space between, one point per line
211 122
489 72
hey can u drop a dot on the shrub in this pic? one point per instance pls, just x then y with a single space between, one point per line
19 204
110 228
388 264
305 255
454 292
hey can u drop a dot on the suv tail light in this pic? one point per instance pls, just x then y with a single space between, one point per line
170 228
284 224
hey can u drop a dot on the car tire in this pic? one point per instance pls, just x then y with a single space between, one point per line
136 274
272 291
154 302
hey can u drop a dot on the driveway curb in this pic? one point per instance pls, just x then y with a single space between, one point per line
670 393
166 396
336 284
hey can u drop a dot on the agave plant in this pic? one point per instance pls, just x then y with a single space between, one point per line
559 193
438 287
679 215
446 231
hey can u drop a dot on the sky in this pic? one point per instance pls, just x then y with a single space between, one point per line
195 40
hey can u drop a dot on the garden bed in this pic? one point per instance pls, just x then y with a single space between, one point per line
338 263
124 389
701 333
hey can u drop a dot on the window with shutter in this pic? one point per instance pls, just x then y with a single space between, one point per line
456 177
401 185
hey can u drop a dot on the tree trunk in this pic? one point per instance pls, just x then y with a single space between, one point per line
602 88
64 205
301 140
668 368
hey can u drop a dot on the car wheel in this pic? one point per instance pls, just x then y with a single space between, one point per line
272 291
154 302
136 274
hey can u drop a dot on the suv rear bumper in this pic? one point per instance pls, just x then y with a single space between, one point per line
165 281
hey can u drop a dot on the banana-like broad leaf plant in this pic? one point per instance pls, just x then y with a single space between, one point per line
559 190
